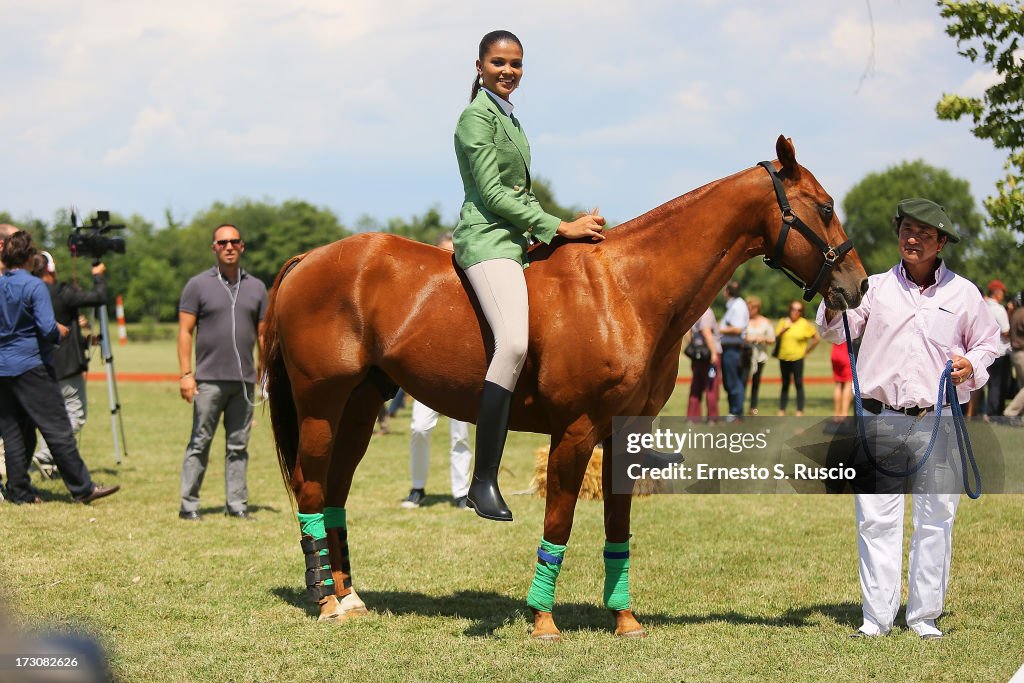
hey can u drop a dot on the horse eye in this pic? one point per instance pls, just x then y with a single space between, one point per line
826 212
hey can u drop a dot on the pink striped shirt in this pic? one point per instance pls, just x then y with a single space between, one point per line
910 333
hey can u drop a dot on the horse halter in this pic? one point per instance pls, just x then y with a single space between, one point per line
790 220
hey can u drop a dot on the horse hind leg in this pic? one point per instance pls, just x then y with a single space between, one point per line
352 437
319 409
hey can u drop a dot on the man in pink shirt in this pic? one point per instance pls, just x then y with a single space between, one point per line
912 320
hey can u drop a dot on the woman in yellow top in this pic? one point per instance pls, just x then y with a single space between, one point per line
499 215
797 337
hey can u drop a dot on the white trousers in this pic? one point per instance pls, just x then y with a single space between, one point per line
880 537
424 419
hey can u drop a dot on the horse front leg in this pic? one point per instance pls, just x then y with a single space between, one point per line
616 551
617 507
567 465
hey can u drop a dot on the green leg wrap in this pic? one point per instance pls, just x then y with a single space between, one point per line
549 563
334 518
312 525
616 575
319 582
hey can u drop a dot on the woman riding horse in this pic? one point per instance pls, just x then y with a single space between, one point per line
498 213
606 326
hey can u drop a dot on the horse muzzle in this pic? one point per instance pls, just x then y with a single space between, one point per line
842 295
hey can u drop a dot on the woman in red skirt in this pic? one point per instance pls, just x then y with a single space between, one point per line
842 375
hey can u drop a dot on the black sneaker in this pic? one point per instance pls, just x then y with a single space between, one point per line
461 503
414 499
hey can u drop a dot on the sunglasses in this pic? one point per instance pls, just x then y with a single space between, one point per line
224 243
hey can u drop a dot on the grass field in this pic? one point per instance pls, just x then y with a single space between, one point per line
730 587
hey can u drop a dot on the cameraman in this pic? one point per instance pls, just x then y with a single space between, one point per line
28 390
71 359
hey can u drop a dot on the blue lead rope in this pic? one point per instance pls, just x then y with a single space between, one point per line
947 392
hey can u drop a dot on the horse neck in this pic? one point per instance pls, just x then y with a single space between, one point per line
689 248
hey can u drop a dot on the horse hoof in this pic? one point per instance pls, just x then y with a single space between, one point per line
639 633
626 625
544 629
349 607
339 615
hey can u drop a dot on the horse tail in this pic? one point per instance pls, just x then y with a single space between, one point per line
283 415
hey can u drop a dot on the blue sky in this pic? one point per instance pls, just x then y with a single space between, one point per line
139 107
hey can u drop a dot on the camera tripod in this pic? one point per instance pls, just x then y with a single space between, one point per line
116 418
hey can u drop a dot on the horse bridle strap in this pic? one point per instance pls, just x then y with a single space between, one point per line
791 220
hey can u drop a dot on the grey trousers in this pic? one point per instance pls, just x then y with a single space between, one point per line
211 400
72 389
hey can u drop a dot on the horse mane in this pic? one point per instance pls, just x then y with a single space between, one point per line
539 252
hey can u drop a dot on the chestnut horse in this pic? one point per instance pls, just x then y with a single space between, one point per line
349 320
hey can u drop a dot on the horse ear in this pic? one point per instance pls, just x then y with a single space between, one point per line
787 156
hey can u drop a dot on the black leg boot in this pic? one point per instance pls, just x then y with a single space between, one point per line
491 430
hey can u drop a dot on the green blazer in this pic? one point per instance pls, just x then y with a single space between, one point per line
500 209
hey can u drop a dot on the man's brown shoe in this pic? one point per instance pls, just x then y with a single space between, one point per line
99 491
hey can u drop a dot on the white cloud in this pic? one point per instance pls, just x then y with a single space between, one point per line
978 83
151 124
331 93
674 119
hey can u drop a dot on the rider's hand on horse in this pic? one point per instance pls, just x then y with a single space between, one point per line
588 225
63 330
962 370
187 387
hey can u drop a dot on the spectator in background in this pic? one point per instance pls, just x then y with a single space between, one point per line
732 328
999 371
388 411
6 230
1016 407
706 373
224 306
799 337
424 419
71 359
29 395
760 335
842 376
1013 386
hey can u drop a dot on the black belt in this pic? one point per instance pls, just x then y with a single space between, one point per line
875 407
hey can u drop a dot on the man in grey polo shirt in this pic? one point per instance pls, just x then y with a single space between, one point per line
224 306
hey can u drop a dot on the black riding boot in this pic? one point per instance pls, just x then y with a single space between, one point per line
491 430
